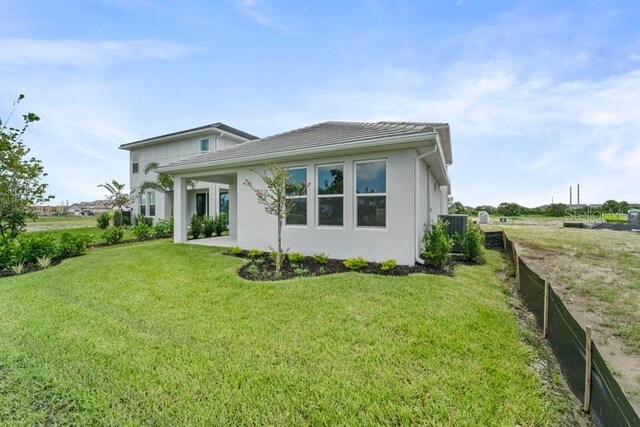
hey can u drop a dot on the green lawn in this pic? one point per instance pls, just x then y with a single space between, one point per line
95 232
163 334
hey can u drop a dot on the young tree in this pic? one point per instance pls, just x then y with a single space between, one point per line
117 197
278 185
21 183
163 183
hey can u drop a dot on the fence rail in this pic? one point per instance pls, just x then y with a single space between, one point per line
581 363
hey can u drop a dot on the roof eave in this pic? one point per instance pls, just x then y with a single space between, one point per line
178 136
337 148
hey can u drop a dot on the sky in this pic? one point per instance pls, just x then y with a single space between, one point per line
540 95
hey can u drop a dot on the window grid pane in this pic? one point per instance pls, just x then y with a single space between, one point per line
371 177
298 214
331 211
372 211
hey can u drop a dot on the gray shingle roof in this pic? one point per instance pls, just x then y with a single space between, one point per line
217 125
318 135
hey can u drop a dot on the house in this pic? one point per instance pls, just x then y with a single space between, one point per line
372 188
203 197
95 207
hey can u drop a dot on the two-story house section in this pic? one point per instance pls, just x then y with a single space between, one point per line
204 198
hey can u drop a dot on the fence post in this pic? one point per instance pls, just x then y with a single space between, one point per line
587 371
516 259
504 241
545 323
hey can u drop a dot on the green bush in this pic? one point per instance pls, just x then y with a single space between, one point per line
321 258
33 246
163 228
252 270
356 263
208 226
195 228
113 235
255 253
388 265
234 250
300 272
141 219
295 258
103 220
8 253
437 244
220 224
472 243
73 245
142 231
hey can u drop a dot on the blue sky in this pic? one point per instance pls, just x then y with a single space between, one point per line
540 95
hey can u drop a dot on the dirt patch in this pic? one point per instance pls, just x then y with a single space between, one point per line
28 268
262 267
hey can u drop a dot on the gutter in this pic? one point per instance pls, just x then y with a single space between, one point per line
416 197
260 158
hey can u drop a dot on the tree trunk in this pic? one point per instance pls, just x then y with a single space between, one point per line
279 254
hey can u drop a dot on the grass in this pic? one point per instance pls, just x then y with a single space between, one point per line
56 226
163 334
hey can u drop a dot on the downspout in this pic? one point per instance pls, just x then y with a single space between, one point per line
218 139
416 198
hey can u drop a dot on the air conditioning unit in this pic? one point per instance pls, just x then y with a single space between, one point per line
457 225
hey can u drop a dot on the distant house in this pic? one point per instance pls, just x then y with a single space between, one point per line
204 197
89 208
373 186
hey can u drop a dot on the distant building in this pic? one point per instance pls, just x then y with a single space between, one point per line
89 208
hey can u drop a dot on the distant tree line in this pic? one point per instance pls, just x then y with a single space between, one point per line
553 209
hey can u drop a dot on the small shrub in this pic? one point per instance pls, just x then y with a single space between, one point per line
388 265
356 263
8 254
296 258
321 258
258 261
300 272
163 228
142 231
17 268
321 270
208 226
220 224
196 226
44 262
141 219
34 246
255 253
273 255
113 235
252 270
73 245
437 244
234 250
472 244
103 220
121 219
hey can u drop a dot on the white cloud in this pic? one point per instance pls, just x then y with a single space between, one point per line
77 53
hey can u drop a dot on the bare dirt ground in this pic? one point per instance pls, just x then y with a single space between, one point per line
597 274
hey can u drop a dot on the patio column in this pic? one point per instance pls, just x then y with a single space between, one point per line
179 210
233 209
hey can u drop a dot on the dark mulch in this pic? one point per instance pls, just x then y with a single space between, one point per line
263 268
28 268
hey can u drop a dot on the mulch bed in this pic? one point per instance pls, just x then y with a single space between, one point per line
28 268
263 268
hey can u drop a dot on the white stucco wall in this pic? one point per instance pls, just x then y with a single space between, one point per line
171 151
257 229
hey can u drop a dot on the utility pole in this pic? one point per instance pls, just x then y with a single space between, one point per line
570 196
578 193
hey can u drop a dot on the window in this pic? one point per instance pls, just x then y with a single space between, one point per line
204 145
135 161
224 201
134 167
148 203
371 193
330 187
296 195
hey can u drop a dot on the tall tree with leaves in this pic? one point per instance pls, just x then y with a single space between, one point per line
163 183
21 185
116 198
277 186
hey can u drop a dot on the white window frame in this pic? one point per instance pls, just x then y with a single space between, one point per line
208 145
137 166
319 196
306 196
356 195
147 204
142 204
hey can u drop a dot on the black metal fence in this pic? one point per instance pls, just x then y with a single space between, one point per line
595 386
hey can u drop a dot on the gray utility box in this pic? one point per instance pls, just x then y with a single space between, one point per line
457 225
483 217
633 219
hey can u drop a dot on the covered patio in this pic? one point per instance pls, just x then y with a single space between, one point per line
181 211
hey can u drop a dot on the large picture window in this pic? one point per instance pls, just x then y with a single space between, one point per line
371 193
296 195
330 193
148 203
